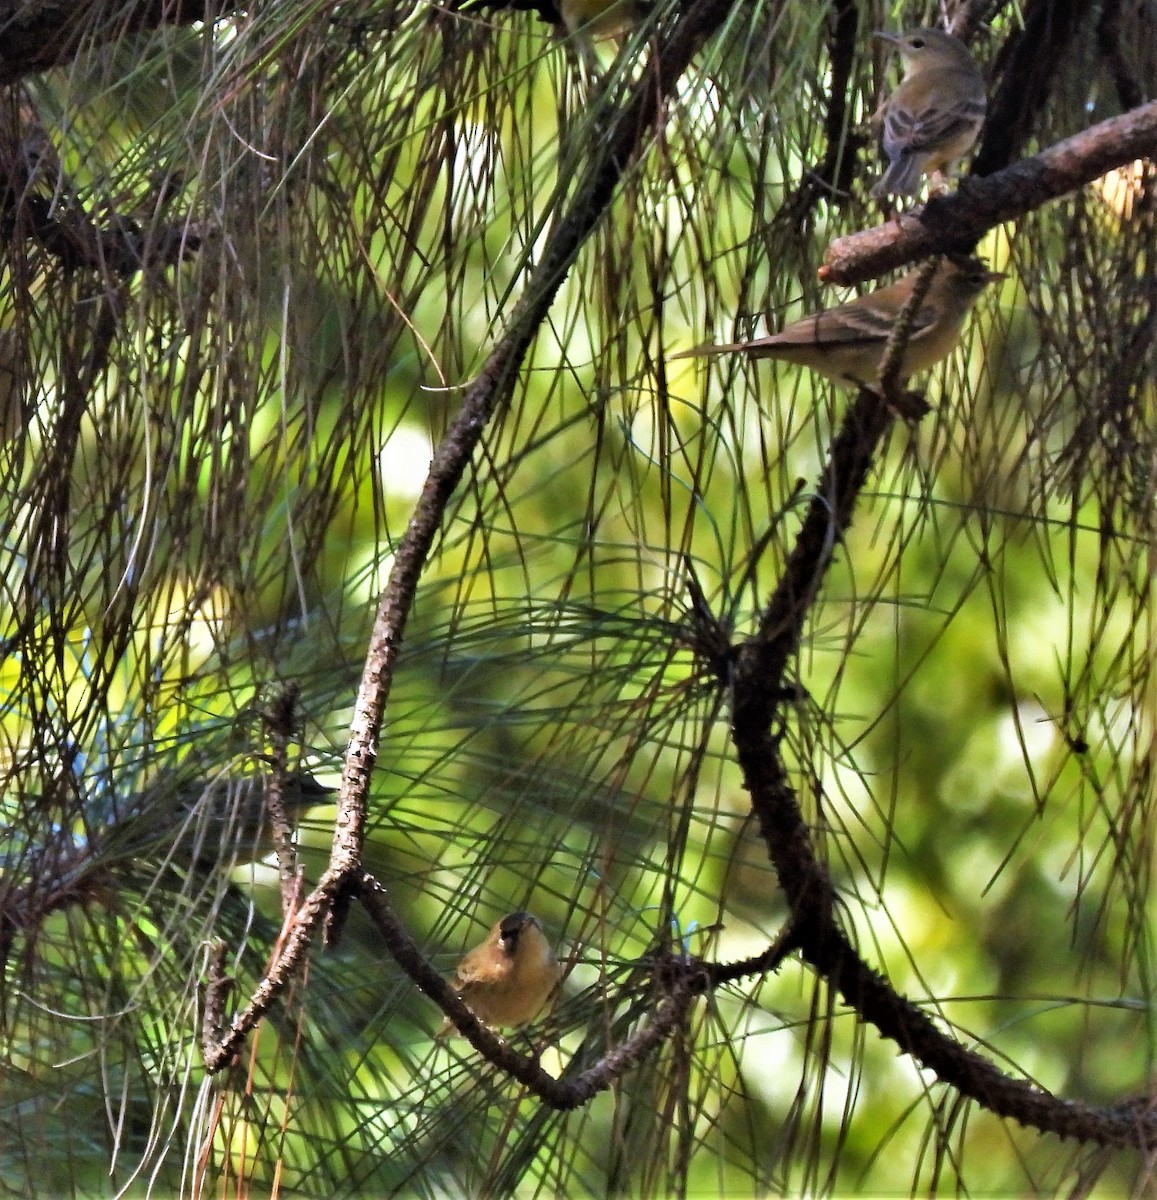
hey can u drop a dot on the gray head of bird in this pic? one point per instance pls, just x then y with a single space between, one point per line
926 47
967 276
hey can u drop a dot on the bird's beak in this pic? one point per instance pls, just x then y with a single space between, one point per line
894 38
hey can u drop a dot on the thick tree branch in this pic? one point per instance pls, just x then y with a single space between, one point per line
957 222
628 132
764 659
1025 70
808 886
1130 90
47 33
832 176
825 947
38 204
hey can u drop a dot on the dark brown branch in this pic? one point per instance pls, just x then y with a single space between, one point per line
967 18
763 660
681 983
119 248
628 131
898 339
832 176
825 947
1130 92
37 205
219 1053
786 944
218 985
46 33
806 881
280 720
956 223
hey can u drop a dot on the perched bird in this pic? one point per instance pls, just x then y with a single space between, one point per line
232 812
846 344
508 978
213 821
933 118
600 18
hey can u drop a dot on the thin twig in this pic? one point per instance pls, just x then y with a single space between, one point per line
628 132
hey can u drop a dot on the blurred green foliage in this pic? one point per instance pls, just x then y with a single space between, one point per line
370 188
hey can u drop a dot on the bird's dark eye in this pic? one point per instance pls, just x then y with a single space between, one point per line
918 43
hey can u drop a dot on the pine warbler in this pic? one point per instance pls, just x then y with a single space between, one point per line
508 978
933 118
594 19
846 344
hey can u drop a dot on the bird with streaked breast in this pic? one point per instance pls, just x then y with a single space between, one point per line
846 344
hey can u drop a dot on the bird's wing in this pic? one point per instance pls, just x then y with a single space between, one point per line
479 968
852 324
913 128
847 325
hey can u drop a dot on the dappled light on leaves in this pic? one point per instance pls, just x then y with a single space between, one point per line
373 568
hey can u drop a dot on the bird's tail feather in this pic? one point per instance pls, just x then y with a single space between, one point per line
902 178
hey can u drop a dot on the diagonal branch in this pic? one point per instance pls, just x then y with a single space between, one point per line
957 222
1026 70
832 176
628 133
681 982
47 33
38 204
805 880
871 996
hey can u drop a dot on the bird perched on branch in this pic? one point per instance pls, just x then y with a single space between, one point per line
935 115
234 812
590 21
847 343
211 821
601 18
507 979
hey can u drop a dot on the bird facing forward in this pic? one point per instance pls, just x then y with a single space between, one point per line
934 116
847 343
595 19
219 821
507 979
